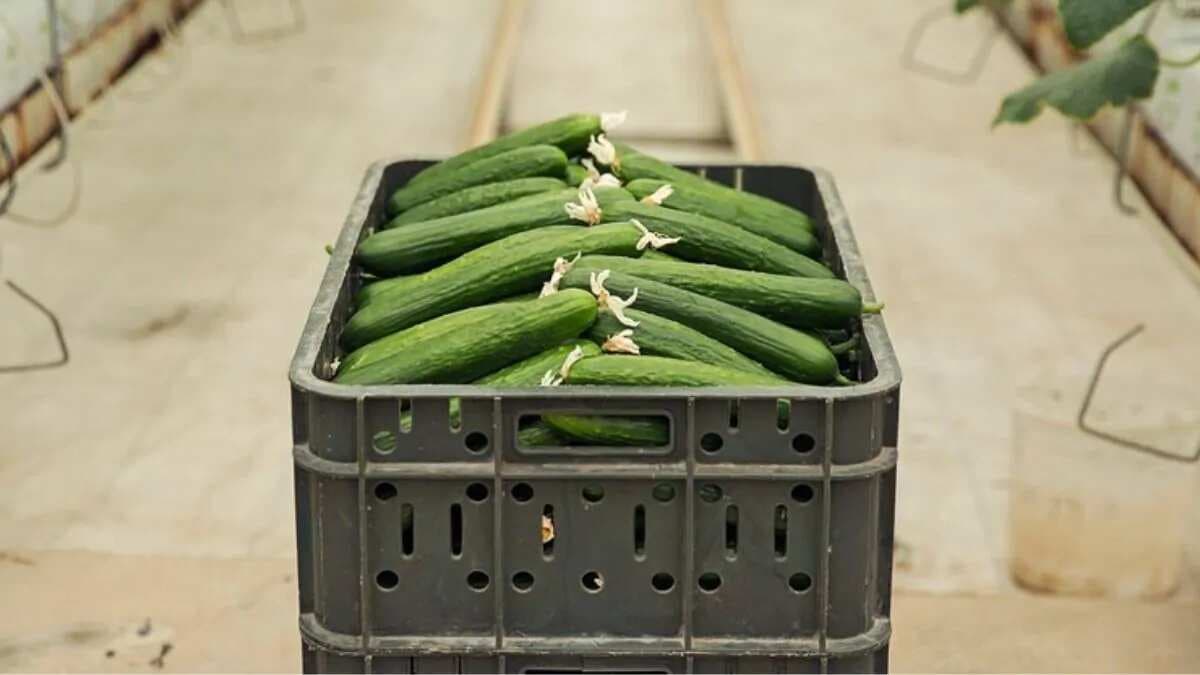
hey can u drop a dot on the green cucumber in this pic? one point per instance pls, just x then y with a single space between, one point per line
516 264
658 371
740 207
528 373
576 173
535 160
688 197
478 197
416 247
377 288
655 254
569 133
539 435
795 301
781 349
658 336
704 239
383 348
465 346
646 371
642 430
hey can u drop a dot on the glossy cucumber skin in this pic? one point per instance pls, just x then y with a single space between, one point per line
703 239
534 160
480 342
796 301
658 371
781 349
569 133
417 247
479 197
659 336
743 207
687 197
540 435
419 334
604 430
516 264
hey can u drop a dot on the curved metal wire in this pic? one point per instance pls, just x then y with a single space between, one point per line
55 82
10 163
916 35
64 354
1081 419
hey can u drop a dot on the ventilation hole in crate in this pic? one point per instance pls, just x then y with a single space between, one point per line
478 580
711 492
522 492
803 443
406 529
639 531
735 409
731 531
711 442
662 582
802 493
385 491
383 442
522 581
548 532
799 582
593 582
781 531
456 530
664 492
477 492
593 493
387 580
455 414
406 417
709 582
783 414
476 441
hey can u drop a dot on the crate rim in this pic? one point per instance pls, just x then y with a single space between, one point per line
303 365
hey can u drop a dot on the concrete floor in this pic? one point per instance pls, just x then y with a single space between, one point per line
151 477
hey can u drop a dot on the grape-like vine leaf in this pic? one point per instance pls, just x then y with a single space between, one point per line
1088 21
1080 91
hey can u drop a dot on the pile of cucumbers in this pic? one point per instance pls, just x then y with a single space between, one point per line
551 257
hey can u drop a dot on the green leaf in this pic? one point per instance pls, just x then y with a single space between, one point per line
1087 21
1113 78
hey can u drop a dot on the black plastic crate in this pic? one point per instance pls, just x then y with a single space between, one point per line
739 547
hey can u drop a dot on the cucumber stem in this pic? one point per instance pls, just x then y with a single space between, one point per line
842 348
844 381
872 307
328 249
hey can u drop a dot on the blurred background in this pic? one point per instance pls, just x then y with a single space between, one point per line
172 232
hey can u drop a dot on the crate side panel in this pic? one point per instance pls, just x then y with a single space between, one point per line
581 571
